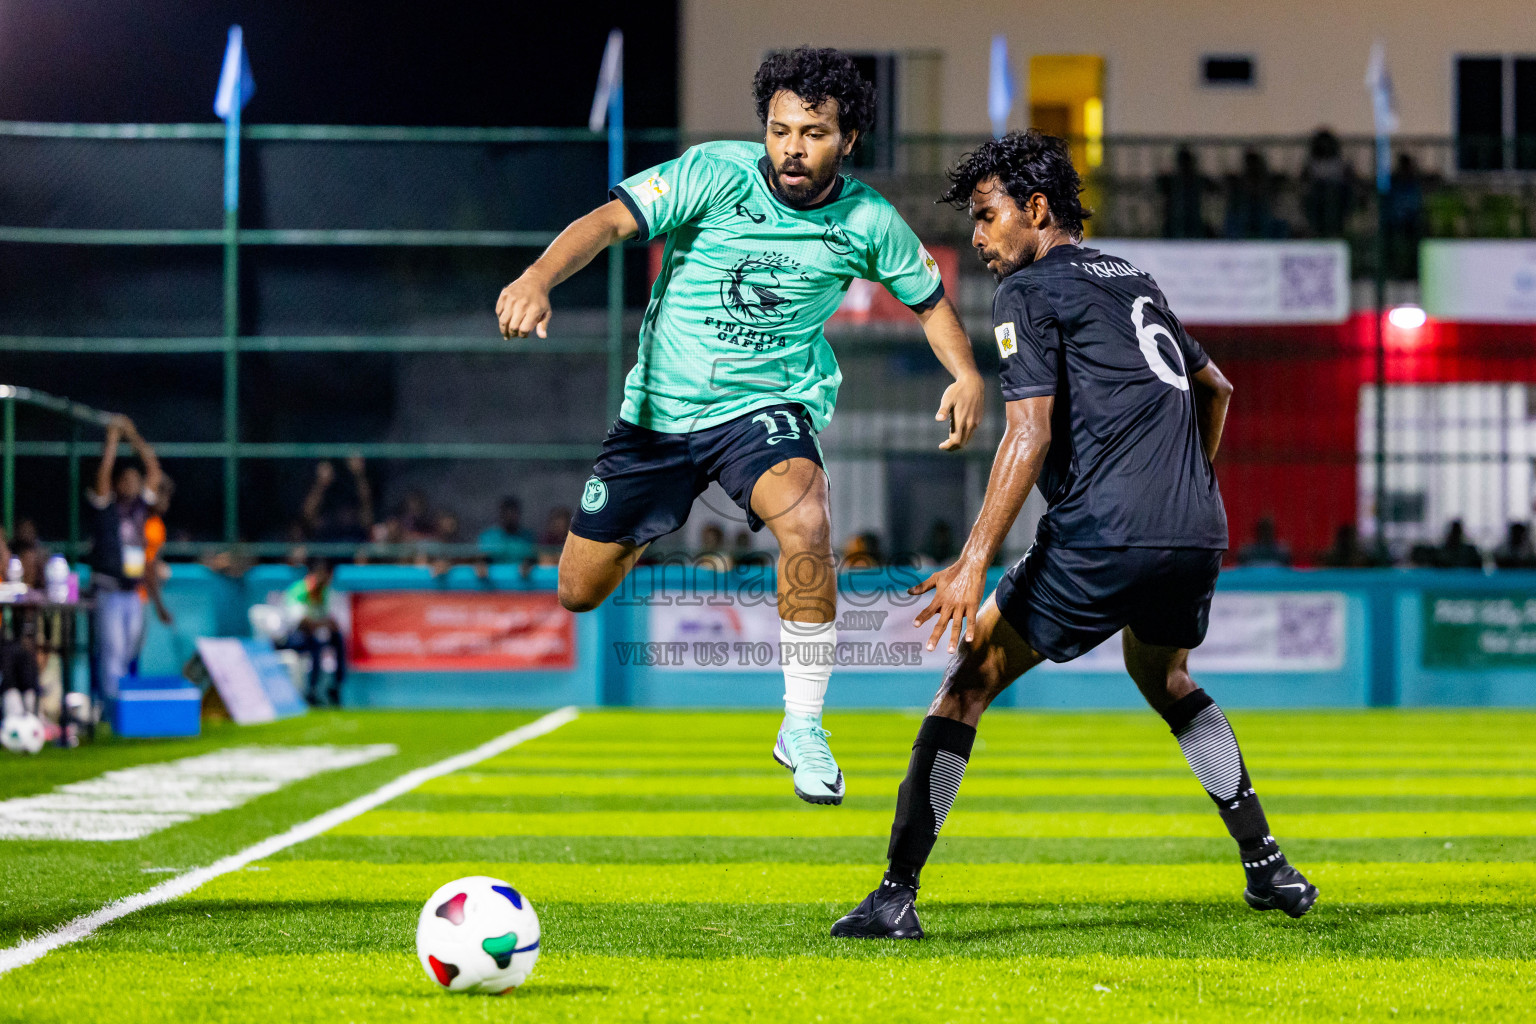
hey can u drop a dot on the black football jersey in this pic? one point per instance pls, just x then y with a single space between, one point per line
1126 467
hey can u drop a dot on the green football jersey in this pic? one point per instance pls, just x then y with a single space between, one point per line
747 283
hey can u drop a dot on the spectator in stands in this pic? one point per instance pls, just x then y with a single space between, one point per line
344 519
1455 552
507 541
552 538
1328 185
1347 551
415 517
1516 552
745 556
447 530
123 499
1251 200
712 553
156 572
314 630
864 551
1184 191
1404 215
1265 549
26 547
939 547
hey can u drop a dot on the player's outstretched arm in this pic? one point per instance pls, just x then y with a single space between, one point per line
523 306
963 400
1213 393
958 590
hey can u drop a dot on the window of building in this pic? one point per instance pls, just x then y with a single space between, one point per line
1227 70
1495 113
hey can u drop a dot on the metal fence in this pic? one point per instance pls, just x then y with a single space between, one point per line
354 244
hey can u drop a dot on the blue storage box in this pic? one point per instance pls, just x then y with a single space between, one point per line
156 706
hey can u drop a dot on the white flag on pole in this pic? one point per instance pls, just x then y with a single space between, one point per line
607 80
1379 80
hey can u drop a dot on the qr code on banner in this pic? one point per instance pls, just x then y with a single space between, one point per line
1308 629
1309 281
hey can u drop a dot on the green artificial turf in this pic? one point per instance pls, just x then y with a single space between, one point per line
1082 876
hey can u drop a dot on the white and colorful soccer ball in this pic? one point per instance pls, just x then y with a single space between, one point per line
478 934
22 734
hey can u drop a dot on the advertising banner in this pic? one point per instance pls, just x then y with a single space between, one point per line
1243 282
1478 631
250 679
1255 631
1479 281
460 631
1250 631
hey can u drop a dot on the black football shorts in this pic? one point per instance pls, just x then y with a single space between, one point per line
1067 601
645 481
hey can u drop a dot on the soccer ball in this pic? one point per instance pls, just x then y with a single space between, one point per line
478 934
22 734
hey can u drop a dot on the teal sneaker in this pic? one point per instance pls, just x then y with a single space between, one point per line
802 748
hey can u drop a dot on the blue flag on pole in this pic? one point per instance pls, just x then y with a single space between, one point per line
236 83
1000 88
1383 111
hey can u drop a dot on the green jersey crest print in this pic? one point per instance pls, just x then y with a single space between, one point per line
747 283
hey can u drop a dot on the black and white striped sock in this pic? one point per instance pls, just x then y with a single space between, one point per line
939 757
1210 747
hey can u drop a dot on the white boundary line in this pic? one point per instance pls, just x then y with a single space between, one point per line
24 953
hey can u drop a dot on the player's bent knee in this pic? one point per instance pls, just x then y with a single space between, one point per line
574 598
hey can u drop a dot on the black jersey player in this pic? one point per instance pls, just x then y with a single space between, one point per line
1116 412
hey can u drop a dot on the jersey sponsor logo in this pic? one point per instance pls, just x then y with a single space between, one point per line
929 263
651 189
594 496
750 293
755 218
1007 339
836 238
1146 338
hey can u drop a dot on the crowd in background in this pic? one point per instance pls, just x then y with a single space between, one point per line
1329 188
1454 551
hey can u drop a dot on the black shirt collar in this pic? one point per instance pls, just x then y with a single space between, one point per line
765 166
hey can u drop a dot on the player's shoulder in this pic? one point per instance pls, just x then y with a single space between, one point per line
729 156
866 202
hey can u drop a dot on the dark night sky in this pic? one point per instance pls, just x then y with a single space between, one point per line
329 62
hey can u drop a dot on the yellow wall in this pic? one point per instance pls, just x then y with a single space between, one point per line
1311 55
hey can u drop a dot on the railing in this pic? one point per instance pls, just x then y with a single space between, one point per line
1467 187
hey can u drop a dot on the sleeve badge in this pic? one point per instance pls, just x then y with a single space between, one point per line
1007 339
651 189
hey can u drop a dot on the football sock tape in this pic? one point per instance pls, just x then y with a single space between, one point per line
1209 745
939 757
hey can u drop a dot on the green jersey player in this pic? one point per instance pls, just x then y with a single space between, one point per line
735 377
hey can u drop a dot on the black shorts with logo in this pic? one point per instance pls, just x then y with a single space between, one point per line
645 481
1067 601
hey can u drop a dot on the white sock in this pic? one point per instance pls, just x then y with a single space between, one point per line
806 650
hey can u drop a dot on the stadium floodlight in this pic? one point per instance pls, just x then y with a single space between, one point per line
1407 318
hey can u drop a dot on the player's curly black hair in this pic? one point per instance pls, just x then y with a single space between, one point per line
815 75
1026 163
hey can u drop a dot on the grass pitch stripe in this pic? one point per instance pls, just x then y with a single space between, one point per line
24 953
770 882
982 824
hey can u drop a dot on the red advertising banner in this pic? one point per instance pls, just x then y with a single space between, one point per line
437 631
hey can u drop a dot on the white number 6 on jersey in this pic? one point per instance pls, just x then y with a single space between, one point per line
1146 337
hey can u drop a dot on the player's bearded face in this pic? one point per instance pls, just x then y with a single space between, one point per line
805 148
1002 233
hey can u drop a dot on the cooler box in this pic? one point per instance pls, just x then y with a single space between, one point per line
156 706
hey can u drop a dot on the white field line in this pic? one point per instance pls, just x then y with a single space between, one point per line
24 953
